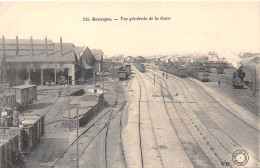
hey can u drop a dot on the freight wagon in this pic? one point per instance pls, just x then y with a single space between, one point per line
208 69
25 94
33 129
128 68
220 69
140 66
9 150
86 111
123 75
8 99
203 76
180 72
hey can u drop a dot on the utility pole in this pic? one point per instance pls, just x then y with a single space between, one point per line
77 136
3 68
103 75
94 78
69 102
255 82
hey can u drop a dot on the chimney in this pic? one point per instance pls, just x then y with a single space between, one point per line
3 45
16 45
31 46
46 47
61 46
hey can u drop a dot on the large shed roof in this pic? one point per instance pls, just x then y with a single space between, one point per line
24 51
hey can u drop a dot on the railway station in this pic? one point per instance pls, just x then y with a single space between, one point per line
180 92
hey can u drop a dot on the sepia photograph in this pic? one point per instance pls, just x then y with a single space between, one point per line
129 84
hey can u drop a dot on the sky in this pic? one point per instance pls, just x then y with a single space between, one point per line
227 28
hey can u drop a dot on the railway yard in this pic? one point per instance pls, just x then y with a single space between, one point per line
144 117
150 84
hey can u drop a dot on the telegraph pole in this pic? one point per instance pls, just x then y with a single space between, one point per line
77 136
255 82
69 101
3 68
154 79
94 78
103 75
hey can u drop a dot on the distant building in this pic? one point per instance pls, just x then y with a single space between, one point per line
141 59
98 54
213 56
89 62
41 61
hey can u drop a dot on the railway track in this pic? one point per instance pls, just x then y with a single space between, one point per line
225 147
232 139
149 112
242 99
223 106
106 126
121 141
199 128
53 109
59 111
139 123
108 136
185 134
82 138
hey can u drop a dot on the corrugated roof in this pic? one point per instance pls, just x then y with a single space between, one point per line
24 52
97 54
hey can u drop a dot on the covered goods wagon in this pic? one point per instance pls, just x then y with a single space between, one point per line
25 93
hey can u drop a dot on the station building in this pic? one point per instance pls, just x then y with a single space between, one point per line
40 61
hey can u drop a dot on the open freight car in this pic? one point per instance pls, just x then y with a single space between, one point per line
33 129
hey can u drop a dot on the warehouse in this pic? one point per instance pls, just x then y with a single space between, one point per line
41 62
